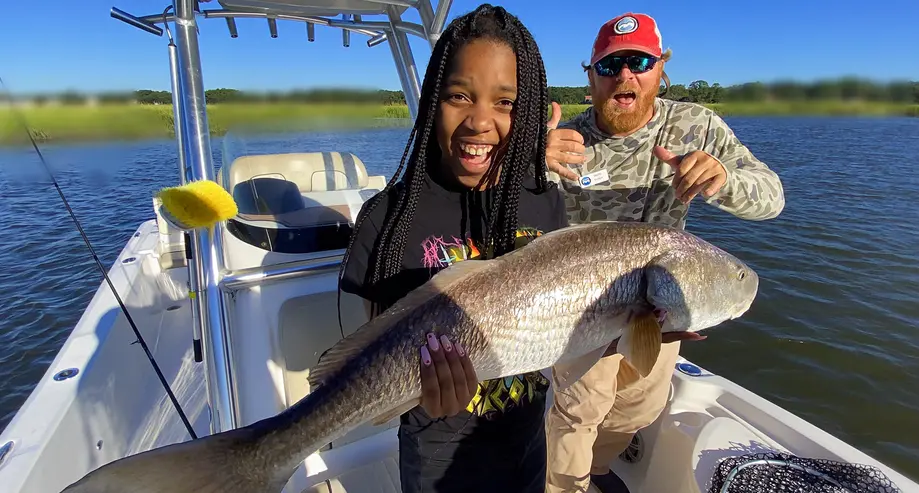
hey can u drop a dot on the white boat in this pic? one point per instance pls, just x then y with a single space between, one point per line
265 309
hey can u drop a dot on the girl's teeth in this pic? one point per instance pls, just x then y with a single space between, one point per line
476 150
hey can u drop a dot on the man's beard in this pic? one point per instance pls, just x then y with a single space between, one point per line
620 121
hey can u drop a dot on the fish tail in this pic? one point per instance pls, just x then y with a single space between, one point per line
226 462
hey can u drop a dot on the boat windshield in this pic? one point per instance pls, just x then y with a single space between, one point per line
300 191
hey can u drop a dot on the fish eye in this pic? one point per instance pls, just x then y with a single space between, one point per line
741 275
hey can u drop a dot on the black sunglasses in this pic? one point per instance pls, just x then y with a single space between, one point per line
611 65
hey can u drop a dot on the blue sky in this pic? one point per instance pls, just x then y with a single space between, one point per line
65 44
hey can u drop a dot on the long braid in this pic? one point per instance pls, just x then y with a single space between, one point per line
529 122
365 211
526 146
428 147
397 225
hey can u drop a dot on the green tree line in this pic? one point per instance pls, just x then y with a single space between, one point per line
699 91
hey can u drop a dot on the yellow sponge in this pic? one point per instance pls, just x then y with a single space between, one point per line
198 204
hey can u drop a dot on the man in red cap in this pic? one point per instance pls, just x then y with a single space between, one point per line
641 158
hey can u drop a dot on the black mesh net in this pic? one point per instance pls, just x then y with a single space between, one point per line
774 472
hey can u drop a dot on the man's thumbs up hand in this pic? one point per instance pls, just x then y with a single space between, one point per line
563 146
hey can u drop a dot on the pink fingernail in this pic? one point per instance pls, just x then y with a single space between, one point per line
425 356
446 342
432 342
459 349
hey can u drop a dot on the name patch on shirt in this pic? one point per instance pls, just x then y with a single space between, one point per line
595 178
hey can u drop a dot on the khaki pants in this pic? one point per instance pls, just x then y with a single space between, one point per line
591 422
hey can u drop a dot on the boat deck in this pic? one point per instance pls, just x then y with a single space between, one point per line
378 477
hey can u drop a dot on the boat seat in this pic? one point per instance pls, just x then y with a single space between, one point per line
309 171
308 326
279 202
267 195
719 439
296 191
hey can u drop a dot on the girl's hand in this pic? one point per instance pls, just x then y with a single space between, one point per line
448 380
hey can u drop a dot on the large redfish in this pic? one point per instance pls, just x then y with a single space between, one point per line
564 297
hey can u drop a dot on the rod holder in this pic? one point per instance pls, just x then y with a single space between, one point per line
378 39
134 21
231 25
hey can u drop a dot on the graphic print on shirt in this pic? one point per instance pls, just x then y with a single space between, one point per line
440 253
497 396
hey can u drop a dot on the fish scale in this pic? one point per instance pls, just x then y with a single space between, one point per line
560 300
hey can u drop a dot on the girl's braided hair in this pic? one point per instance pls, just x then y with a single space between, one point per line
525 148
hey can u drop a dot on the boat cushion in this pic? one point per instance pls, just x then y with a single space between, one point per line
309 171
307 217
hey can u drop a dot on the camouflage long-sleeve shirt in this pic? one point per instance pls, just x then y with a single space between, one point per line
639 186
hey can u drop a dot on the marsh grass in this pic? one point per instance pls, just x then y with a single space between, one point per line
130 122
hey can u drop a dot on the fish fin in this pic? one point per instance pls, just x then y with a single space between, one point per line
569 372
227 462
641 342
627 374
395 413
335 357
555 236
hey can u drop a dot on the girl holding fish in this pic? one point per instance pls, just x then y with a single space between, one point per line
474 187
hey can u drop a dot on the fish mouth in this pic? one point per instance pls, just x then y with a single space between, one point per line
741 310
750 290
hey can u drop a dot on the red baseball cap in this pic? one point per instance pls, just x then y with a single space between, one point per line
628 32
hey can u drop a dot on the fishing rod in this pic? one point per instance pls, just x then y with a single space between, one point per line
92 251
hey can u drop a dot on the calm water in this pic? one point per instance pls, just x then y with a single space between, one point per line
833 335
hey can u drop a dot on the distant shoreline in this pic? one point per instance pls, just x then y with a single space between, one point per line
118 122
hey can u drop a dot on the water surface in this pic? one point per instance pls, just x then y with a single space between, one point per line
832 337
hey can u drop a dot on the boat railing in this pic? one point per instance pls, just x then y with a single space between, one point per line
244 278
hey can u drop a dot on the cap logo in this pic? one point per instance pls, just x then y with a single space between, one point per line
626 25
